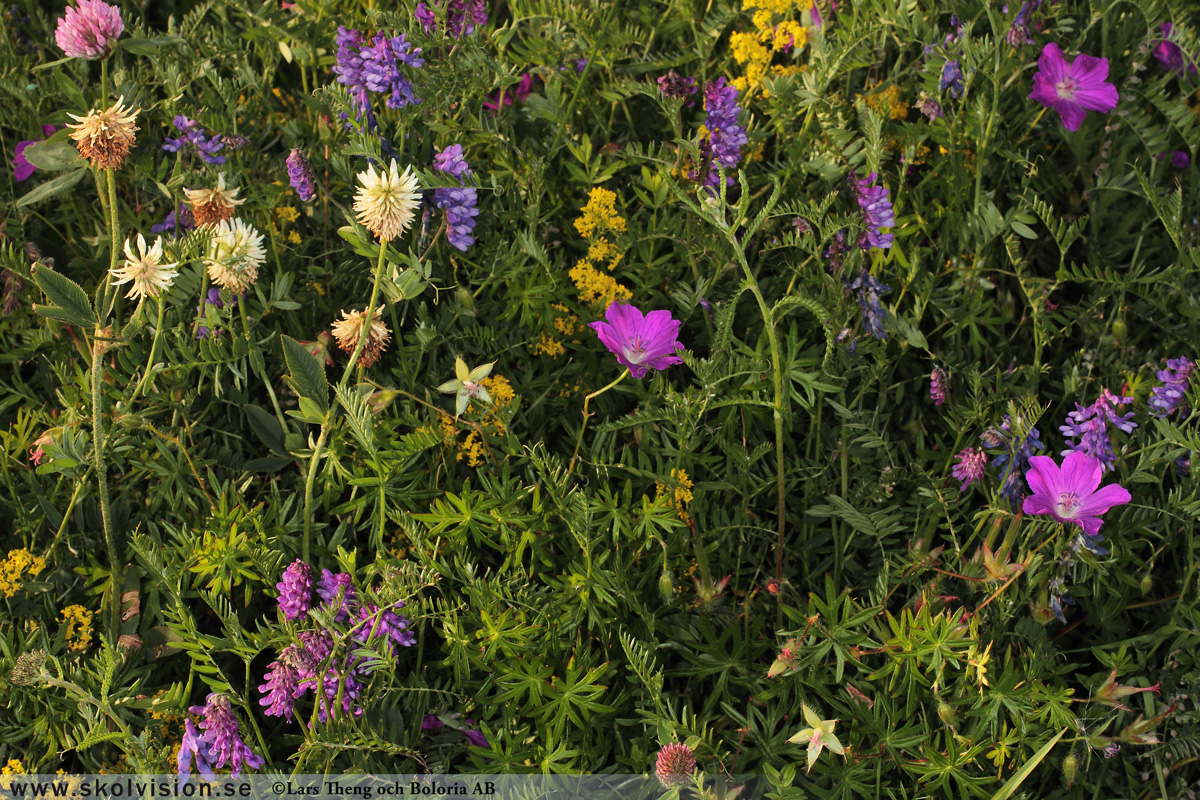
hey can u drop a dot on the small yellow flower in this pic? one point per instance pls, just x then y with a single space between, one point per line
105 137
79 627
145 270
13 767
818 735
348 330
387 201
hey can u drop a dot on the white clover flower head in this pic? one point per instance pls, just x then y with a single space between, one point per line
235 254
145 269
387 201
211 206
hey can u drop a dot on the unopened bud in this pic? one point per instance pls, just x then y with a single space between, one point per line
1070 767
666 586
1147 584
945 714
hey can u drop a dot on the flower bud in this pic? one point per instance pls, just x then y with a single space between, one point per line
666 586
945 714
1147 584
1070 767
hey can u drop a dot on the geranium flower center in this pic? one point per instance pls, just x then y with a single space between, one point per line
635 350
1066 88
1068 503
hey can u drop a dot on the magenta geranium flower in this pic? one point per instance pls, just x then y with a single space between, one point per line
1071 493
640 342
1072 89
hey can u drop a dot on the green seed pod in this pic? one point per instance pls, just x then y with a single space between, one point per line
666 586
1070 767
945 713
1147 583
1119 330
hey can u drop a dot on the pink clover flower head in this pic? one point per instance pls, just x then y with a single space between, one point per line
1072 89
89 29
1071 494
640 342
674 765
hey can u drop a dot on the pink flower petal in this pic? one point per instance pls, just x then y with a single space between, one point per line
1052 64
1081 474
1103 500
1043 479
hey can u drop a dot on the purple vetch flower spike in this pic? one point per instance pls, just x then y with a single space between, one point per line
458 202
283 681
301 175
193 744
474 737
937 386
970 466
331 587
869 290
931 108
726 135
346 682
677 87
1170 395
952 79
462 16
641 342
1071 494
295 590
387 625
381 61
89 29
431 723
1072 89
222 736
1089 424
1012 480
193 139
877 213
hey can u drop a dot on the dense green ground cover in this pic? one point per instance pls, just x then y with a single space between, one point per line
899 257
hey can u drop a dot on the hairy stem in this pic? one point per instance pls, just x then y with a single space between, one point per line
583 427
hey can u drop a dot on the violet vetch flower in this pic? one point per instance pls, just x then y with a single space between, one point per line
295 590
431 723
89 29
937 386
318 645
462 16
193 139
387 625
931 108
364 66
1072 89
346 682
193 744
970 466
952 79
301 175
283 681
1018 32
1015 460
1180 160
338 589
641 342
869 289
1089 424
509 95
1175 384
458 202
877 213
677 87
726 135
222 736
474 738
1070 493
1170 55
176 221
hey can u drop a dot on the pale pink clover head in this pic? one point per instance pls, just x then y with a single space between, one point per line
89 29
640 342
1072 89
1071 494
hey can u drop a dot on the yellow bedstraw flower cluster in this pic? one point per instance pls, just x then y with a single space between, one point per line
13 767
491 422
79 627
565 324
679 497
11 569
776 30
285 216
599 221
886 101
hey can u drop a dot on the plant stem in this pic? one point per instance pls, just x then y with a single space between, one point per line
99 345
329 415
162 302
777 370
583 427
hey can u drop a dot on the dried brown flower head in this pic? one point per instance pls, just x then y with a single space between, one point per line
348 330
212 206
105 137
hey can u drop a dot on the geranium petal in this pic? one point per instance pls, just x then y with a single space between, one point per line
1043 478
1103 500
1081 474
1052 64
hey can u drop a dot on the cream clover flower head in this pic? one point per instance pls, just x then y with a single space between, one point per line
235 254
105 137
145 269
387 201
211 206
348 330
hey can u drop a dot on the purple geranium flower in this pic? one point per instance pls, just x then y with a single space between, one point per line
1072 89
640 342
22 169
1070 493
222 736
1170 55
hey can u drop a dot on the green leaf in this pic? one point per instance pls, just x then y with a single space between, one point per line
54 156
1010 786
359 415
71 90
70 301
1023 230
51 188
266 427
308 373
149 45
